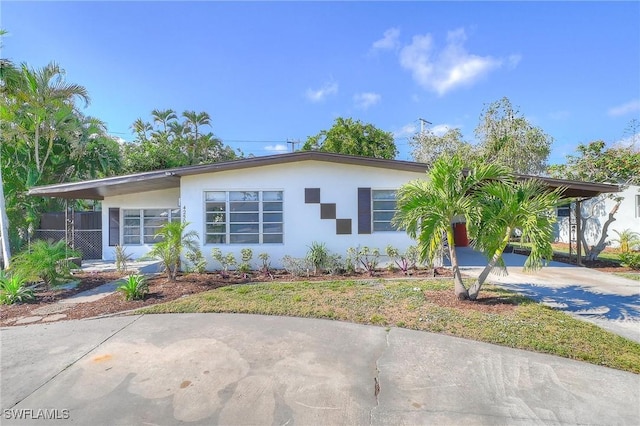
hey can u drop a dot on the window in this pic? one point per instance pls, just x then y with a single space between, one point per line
563 211
637 205
140 225
383 209
243 217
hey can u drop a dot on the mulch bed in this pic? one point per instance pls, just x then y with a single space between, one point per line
160 290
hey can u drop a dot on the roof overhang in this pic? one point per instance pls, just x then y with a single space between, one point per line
98 189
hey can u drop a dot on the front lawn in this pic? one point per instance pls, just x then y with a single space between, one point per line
499 316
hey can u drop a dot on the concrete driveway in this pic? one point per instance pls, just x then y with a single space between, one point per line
251 369
612 302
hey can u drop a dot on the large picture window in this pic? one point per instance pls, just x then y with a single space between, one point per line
243 217
383 209
140 225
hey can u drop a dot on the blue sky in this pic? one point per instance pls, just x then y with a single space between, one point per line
268 72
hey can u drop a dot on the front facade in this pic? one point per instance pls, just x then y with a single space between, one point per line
277 204
280 209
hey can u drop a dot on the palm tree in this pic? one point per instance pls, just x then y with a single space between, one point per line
427 208
47 103
627 240
174 242
194 121
504 207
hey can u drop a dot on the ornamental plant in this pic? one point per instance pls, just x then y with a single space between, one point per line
13 289
134 287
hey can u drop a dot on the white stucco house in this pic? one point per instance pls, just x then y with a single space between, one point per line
277 204
595 212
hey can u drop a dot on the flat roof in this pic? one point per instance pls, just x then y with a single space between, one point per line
98 189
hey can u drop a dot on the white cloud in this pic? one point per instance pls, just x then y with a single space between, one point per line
366 99
321 94
388 41
441 129
277 148
406 131
449 68
624 109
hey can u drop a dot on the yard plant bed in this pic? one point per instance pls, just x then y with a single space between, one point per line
46 303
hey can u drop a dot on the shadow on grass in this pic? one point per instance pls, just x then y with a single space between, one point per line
575 299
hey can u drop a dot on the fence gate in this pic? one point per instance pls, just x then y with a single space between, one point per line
81 230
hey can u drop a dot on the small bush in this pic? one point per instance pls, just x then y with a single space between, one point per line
226 261
295 266
122 258
364 258
317 256
630 260
134 287
13 289
46 262
405 261
246 254
198 263
266 263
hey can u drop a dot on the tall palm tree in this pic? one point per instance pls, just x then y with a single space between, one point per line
506 206
163 117
46 104
195 121
427 208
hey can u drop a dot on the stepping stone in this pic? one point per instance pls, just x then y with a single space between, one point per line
54 317
27 320
52 309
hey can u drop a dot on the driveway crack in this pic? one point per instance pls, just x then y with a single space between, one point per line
376 379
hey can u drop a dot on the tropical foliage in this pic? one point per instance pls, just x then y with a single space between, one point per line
427 208
13 289
350 137
44 261
174 141
173 242
504 206
134 287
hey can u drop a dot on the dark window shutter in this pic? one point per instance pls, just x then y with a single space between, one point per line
311 195
114 226
364 210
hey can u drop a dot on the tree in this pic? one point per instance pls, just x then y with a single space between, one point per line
505 206
595 162
428 147
507 138
174 242
427 208
173 143
353 138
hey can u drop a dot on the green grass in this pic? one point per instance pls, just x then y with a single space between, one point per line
630 275
410 304
604 255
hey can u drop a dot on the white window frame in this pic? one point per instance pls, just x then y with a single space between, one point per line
229 223
146 222
384 214
637 205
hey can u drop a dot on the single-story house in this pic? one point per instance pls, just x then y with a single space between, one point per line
279 204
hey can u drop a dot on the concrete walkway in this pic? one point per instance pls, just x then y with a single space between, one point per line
250 369
612 302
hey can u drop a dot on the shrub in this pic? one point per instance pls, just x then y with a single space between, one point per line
122 258
226 261
317 256
630 260
364 257
266 264
404 261
296 266
134 287
334 264
173 241
197 261
46 262
246 255
13 289
627 240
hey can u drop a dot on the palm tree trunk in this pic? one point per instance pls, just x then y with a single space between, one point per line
459 288
4 226
474 290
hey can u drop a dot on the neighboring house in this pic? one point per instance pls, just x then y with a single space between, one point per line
595 213
277 204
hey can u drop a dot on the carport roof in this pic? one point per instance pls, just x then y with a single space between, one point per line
98 189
